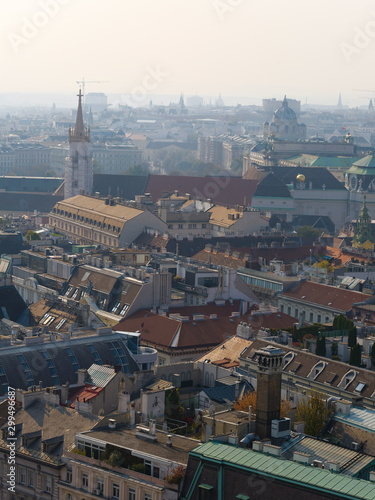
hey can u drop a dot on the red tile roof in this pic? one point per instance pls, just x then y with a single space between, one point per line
325 295
85 394
221 189
275 320
164 332
171 333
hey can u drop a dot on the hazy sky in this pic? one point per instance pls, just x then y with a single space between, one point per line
245 48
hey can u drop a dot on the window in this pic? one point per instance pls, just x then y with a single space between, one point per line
69 475
289 311
48 485
100 485
327 319
204 492
311 317
204 226
148 468
180 226
85 481
296 313
22 476
31 479
131 494
115 490
319 318
148 496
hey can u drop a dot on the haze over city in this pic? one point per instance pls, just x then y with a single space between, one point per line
187 250
243 50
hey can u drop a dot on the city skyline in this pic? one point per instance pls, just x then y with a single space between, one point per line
241 50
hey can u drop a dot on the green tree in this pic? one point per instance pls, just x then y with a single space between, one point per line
320 348
334 348
308 232
355 355
173 407
313 412
31 235
352 337
341 322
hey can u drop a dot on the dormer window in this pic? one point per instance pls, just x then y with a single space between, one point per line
347 379
288 358
317 369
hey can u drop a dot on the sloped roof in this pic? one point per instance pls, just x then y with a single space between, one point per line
330 376
324 295
90 206
30 184
12 305
310 479
230 350
54 421
316 221
223 393
220 259
125 186
351 462
164 332
103 280
222 190
99 375
366 161
81 349
272 186
316 175
220 216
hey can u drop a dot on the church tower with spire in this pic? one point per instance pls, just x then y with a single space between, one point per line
363 237
78 165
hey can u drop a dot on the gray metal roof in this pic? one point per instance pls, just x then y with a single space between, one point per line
351 462
55 363
358 417
99 375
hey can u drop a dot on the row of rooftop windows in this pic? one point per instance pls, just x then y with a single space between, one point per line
87 220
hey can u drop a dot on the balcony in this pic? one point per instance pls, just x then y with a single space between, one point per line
146 355
126 472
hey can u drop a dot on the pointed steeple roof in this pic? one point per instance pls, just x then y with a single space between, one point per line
363 231
79 133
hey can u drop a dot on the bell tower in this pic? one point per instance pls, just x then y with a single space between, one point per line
270 363
78 165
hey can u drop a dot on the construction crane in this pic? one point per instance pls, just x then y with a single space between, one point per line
83 82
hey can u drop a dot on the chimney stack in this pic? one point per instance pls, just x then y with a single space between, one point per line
270 363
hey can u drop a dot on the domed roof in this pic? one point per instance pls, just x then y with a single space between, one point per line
285 112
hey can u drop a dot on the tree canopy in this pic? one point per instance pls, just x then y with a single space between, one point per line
308 232
313 412
250 399
355 355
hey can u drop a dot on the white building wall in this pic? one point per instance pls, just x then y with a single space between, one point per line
137 225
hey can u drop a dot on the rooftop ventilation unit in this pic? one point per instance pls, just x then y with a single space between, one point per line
280 427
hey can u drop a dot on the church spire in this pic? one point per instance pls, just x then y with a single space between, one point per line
79 133
363 230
